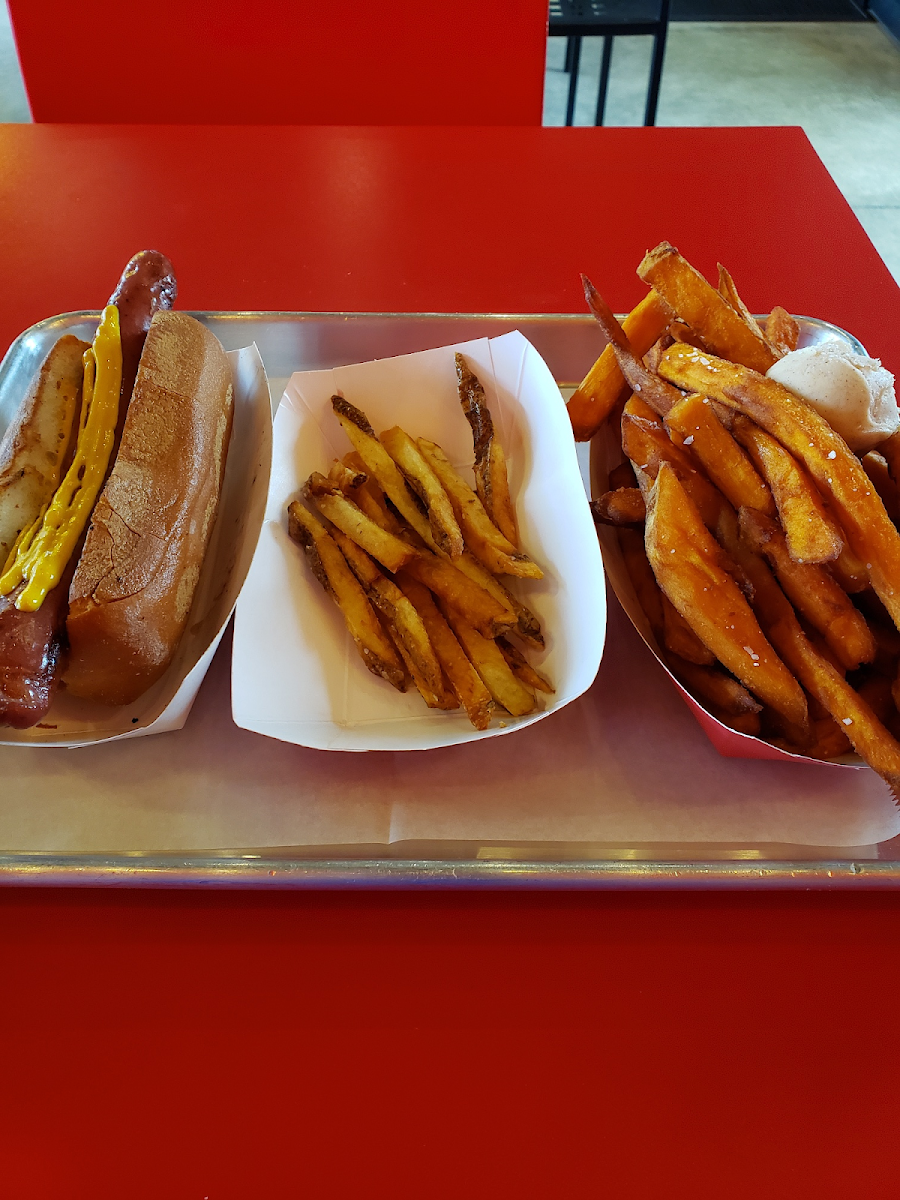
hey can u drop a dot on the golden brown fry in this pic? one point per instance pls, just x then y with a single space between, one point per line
411 636
344 478
813 592
680 639
812 536
693 422
487 659
595 398
330 568
849 571
836 470
482 536
522 668
782 331
646 383
408 457
876 467
728 291
441 698
491 480
701 306
381 466
622 507
685 561
647 445
370 498
351 520
459 593
464 680
712 686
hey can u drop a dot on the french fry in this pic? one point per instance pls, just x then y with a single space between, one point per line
408 457
646 589
730 295
411 636
460 594
812 536
813 592
693 422
889 450
876 467
647 445
625 506
481 535
849 571
685 561
680 639
370 498
782 331
522 668
593 401
330 568
698 303
487 659
622 476
464 680
646 383
713 687
443 698
836 470
344 478
491 481
389 550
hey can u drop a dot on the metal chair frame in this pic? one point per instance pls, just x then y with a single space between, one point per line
574 19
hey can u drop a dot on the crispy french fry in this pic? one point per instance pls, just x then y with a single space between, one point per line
460 594
801 430
813 592
685 561
370 498
730 294
680 639
411 636
330 568
876 467
344 478
693 422
522 668
622 507
849 571
712 686
491 480
487 659
647 445
464 680
381 466
782 331
812 536
593 401
482 536
443 698
408 457
700 305
389 550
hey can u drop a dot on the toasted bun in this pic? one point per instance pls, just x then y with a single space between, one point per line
132 590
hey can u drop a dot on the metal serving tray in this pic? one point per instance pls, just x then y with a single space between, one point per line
291 341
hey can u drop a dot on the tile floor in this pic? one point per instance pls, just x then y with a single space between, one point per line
839 80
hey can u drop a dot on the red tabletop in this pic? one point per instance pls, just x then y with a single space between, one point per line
237 1045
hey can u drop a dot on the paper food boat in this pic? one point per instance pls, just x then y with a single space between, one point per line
606 453
296 673
165 706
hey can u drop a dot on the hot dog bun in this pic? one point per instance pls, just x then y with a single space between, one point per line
133 587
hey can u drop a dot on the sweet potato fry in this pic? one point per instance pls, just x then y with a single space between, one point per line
330 568
685 561
482 536
782 331
464 680
622 507
849 571
889 450
522 668
729 293
680 639
711 686
411 636
389 550
593 401
693 422
460 594
836 471
812 536
622 476
646 589
700 305
813 592
647 445
487 659
420 477
876 467
491 481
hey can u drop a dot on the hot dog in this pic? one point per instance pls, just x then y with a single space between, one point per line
95 589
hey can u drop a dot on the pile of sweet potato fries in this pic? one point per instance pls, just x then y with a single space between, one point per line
412 557
763 551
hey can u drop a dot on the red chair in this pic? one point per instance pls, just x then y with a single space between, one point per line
369 62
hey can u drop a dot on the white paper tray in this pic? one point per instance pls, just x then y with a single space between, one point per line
622 739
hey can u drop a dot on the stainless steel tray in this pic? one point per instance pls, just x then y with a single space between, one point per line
289 341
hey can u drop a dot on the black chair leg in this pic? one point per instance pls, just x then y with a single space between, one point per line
659 50
570 48
604 78
573 80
